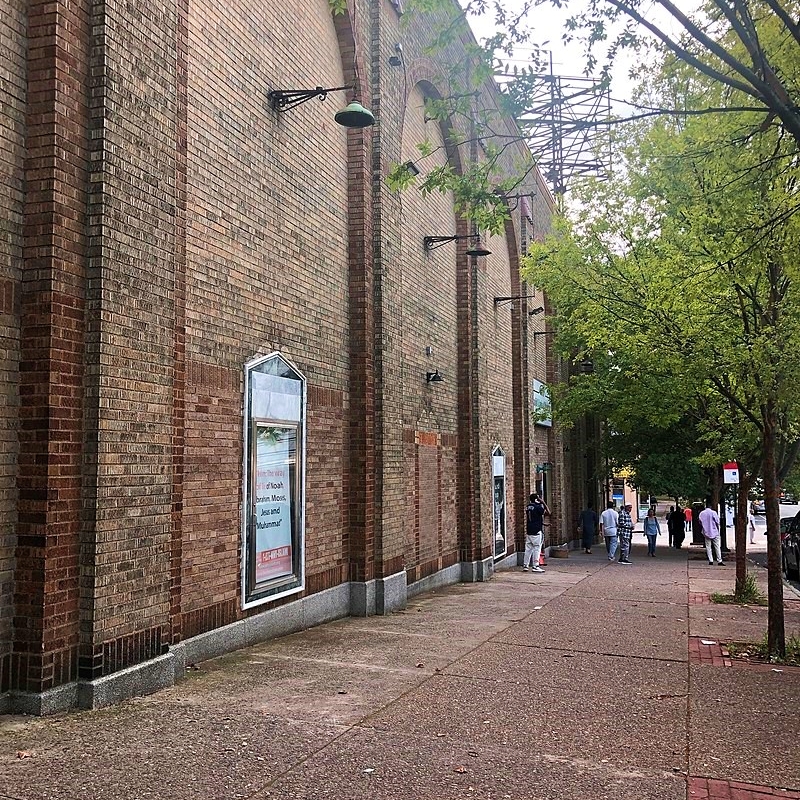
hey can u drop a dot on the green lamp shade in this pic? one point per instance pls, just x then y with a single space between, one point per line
354 115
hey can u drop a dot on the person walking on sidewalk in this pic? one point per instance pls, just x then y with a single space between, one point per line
669 525
751 526
534 525
677 522
687 520
625 530
608 527
651 530
709 522
587 526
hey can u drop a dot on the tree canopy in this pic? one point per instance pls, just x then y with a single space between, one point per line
679 277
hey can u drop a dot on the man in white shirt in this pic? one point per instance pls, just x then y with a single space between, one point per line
709 522
751 527
608 527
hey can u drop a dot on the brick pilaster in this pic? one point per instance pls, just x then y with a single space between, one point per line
519 380
52 336
179 377
360 489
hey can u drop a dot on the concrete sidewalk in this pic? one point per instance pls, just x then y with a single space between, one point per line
590 681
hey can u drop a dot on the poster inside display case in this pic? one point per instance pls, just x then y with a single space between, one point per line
275 486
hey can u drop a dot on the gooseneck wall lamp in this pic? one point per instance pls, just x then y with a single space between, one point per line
354 115
477 249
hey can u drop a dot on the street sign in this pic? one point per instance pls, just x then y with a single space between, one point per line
731 472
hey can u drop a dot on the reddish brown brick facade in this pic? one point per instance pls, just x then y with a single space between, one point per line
164 227
12 199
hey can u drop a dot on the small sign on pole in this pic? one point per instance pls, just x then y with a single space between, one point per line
731 472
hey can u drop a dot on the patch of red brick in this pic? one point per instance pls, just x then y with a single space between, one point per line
792 605
714 789
699 598
715 655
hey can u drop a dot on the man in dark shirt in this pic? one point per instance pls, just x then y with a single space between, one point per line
587 526
534 525
677 526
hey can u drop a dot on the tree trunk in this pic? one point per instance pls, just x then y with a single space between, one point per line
776 636
740 523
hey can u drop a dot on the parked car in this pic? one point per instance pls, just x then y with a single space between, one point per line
790 548
788 497
759 507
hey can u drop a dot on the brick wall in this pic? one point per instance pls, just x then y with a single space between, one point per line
177 227
544 366
394 506
52 304
12 143
496 379
326 514
212 487
267 253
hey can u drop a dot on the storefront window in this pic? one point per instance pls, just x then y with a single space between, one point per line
273 502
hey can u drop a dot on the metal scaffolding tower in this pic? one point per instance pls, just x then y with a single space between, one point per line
565 121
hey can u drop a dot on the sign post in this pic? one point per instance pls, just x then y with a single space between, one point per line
730 473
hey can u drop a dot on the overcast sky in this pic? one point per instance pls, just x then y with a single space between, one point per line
547 23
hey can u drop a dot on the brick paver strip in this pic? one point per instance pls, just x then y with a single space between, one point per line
715 654
699 598
714 789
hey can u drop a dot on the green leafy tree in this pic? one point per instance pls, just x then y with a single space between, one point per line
664 461
687 267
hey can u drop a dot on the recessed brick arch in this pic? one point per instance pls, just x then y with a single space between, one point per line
424 76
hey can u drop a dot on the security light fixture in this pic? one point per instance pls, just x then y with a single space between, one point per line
397 59
354 115
411 168
432 242
536 311
433 377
